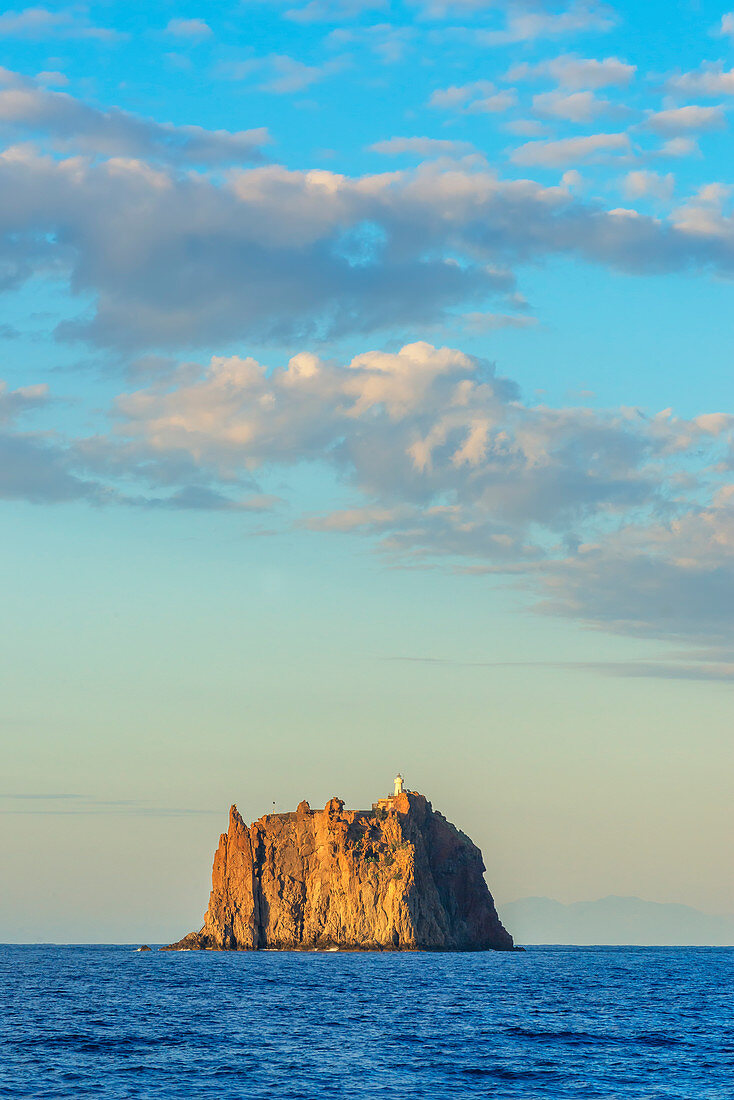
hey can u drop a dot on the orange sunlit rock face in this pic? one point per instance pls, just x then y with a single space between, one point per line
398 877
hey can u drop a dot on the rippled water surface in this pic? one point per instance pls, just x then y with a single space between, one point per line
549 1022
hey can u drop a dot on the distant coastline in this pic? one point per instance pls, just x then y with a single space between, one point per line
615 921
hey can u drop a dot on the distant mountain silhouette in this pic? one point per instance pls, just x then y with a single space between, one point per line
614 920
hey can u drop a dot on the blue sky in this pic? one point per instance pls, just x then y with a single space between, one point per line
366 404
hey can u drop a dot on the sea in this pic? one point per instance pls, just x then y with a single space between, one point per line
555 1022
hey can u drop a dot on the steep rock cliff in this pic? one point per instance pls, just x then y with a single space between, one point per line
398 877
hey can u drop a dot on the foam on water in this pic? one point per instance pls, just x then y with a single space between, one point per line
556 1023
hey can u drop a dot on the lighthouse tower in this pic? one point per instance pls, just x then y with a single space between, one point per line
388 803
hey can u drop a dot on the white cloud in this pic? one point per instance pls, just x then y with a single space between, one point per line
703 213
290 75
711 79
684 120
451 9
387 42
490 322
572 150
679 147
333 11
527 25
646 184
492 104
282 74
572 180
28 106
195 29
52 79
421 147
523 22
325 11
456 96
726 27
479 97
40 23
572 106
577 73
526 127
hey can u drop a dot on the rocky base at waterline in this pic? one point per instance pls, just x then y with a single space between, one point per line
398 877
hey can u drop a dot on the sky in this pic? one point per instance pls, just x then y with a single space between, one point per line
365 405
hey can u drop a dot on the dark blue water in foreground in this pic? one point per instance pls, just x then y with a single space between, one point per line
550 1022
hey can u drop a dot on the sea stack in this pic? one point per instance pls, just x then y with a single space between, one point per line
398 877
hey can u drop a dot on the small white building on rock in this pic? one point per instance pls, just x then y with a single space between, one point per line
389 800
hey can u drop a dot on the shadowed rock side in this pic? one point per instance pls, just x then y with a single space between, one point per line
399 878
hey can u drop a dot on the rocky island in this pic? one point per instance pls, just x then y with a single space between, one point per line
397 877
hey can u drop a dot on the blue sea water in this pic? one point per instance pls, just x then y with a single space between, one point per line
560 1023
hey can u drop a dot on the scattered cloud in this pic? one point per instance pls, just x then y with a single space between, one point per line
479 97
686 120
711 79
52 79
576 73
490 322
421 147
281 74
531 24
194 29
450 9
29 108
571 106
289 75
572 180
523 21
333 11
387 42
550 154
526 127
41 23
492 104
679 147
726 27
704 212
642 184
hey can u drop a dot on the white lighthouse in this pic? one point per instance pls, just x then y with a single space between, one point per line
398 784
